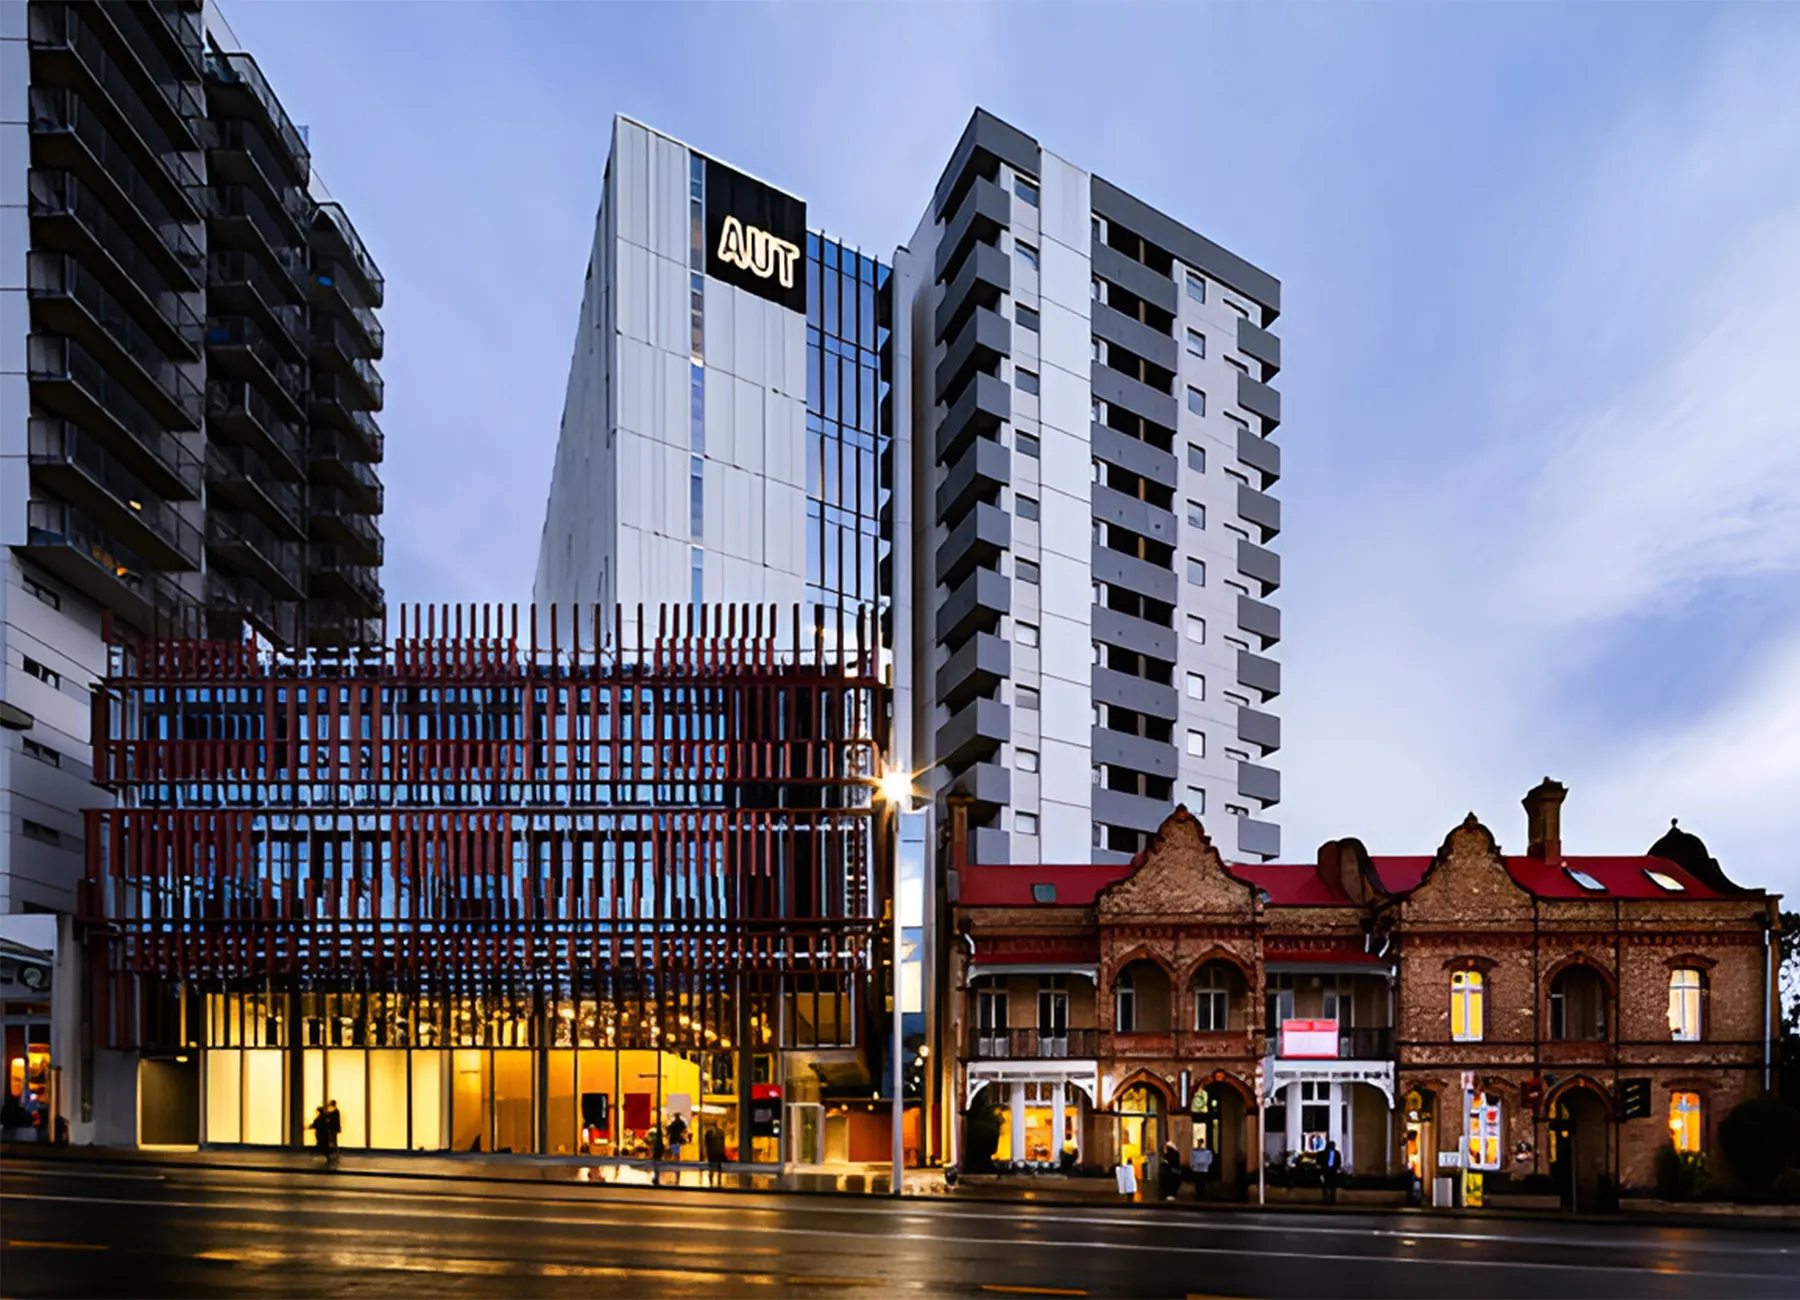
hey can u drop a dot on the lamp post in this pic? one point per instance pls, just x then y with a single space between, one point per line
895 790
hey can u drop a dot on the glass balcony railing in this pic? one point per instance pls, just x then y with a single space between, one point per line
240 402
348 568
51 359
244 332
238 531
227 269
183 25
114 564
242 203
234 135
238 467
247 598
175 79
241 70
61 443
371 329
61 194
359 252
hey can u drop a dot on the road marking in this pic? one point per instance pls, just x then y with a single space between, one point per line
1030 1290
832 1281
16 1170
53 1245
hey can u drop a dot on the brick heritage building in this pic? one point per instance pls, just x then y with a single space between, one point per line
1469 1009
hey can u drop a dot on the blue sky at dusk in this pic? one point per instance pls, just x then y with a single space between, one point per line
1541 333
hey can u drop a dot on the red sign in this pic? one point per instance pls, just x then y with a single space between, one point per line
765 1092
1309 1040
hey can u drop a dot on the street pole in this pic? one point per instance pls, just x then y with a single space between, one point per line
898 1046
1262 1136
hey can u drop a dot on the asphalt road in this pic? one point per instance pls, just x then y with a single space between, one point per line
131 1230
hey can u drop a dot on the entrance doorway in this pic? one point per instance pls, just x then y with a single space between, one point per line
1580 1148
1140 1120
169 1102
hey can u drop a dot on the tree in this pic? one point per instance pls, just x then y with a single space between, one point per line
1788 1052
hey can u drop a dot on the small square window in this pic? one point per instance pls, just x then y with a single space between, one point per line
1027 192
42 592
1026 570
1027 255
1026 824
1196 515
43 672
1043 893
1196 629
1027 444
1196 744
1027 634
1026 381
1196 287
43 753
1026 507
1196 458
1196 401
1026 697
1197 572
1026 317
1026 760
1196 801
1196 686
1196 343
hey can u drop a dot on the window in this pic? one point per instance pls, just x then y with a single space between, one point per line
40 832
1043 894
1196 458
1027 444
1232 697
1196 287
1212 1000
1124 1004
1196 629
1025 823
1196 515
49 676
697 498
1027 507
1098 289
1685 992
1027 255
1026 381
1026 570
1026 317
1684 1122
1026 697
990 1013
1239 308
1097 349
1027 634
697 575
1027 192
1665 882
1197 572
1099 655
1196 801
1026 760
1465 1006
1578 1005
1196 744
1238 366
1586 881
41 591
1196 686
1196 343
43 753
1196 401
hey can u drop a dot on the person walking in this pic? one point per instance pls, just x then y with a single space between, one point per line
655 1137
321 1128
712 1143
678 1136
1169 1174
334 1126
1334 1168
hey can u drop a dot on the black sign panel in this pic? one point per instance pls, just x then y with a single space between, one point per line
755 237
765 1117
1634 1098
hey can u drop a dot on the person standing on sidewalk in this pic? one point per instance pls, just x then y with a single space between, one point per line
712 1143
1334 1168
321 1132
678 1135
334 1125
655 1137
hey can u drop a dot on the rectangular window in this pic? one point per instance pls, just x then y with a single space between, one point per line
1684 1122
1025 823
697 409
1196 686
1196 343
1027 444
1197 572
1026 381
1027 192
1684 1006
1026 760
1196 744
1465 1006
1196 629
42 592
1026 697
696 575
1232 697
1196 801
40 832
1027 634
1196 287
1196 458
43 753
1027 255
1196 401
1196 515
1026 570
1026 507
697 498
43 672
1026 317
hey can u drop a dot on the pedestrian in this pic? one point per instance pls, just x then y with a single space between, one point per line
1169 1175
1201 1163
655 1138
334 1125
678 1135
321 1132
713 1142
1334 1168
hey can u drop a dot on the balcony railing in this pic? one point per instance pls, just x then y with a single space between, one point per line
359 252
241 70
243 332
1362 1044
233 270
61 194
233 203
280 560
184 27
59 360
236 136
236 469
61 445
1030 1044
238 405
108 569
351 510
176 78
234 594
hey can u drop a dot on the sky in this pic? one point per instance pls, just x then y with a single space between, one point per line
1540 333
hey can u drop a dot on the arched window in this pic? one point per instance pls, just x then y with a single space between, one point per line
1212 999
1685 989
1124 1004
1465 1006
1684 1121
1578 1004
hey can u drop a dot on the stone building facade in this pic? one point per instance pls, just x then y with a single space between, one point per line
1515 1014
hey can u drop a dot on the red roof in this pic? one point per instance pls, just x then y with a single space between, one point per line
1618 878
1291 884
1075 884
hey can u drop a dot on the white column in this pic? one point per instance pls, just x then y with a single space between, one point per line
1059 1099
1018 1121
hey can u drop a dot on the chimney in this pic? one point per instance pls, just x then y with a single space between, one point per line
1543 820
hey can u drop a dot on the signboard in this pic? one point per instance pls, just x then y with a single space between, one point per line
1634 1098
1309 1040
1472 1190
1450 1160
1484 1132
755 237
765 1110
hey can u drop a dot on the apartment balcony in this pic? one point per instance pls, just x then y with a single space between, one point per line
1115 627
986 274
64 540
1132 811
1134 277
978 347
246 545
1261 565
338 402
337 346
1132 454
237 88
1116 388
355 275
1262 784
1111 506
979 539
236 410
1260 729
69 300
985 210
1258 837
361 486
1139 695
241 284
1117 569
242 219
1353 1043
1261 509
979 411
238 347
1261 620
337 519
1131 335
974 732
231 596
976 605
66 134
68 217
339 574
978 668
983 469
238 475
66 380
1259 673
142 43
176 25
337 623
1031 1045
84 472
1253 395
1255 341
240 155
356 439
1260 454
1137 753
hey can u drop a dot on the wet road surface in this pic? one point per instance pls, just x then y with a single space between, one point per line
133 1230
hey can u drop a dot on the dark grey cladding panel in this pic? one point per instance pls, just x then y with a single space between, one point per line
986 273
1253 395
988 845
985 337
987 783
975 669
1259 782
1259 343
1259 453
1258 728
983 533
1111 506
1134 693
983 405
984 466
976 605
973 732
1134 336
1263 620
1190 247
1260 838
1117 569
1259 673
1129 273
984 210
1133 454
1259 562
1128 632
986 134
1132 811
1139 398
1260 509
1138 753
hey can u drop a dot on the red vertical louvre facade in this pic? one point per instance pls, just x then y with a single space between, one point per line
501 828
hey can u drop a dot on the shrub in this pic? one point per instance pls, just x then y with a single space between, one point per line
1759 1139
981 1132
1681 1176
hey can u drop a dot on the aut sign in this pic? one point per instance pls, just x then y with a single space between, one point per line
754 237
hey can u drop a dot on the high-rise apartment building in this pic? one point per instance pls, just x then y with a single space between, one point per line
187 388
1065 395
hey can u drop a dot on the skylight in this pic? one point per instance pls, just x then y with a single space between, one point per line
1585 881
1669 883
